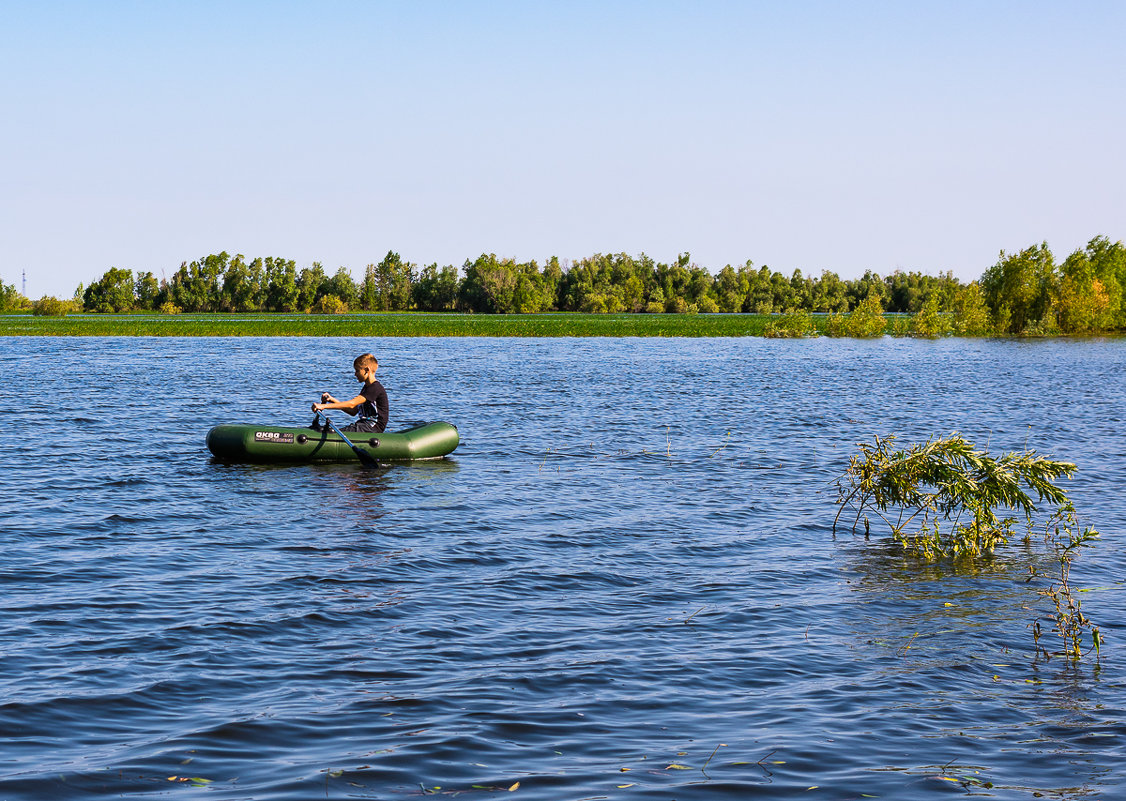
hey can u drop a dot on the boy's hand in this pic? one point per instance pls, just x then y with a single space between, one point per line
326 398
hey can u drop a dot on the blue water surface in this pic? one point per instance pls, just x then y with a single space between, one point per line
623 584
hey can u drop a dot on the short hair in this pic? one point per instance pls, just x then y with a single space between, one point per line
365 360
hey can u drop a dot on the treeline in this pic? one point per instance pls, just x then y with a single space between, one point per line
1029 294
490 285
1025 293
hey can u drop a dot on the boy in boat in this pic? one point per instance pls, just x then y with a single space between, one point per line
370 404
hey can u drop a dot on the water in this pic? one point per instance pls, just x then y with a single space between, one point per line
623 585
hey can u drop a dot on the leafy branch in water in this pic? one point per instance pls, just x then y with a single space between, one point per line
1065 538
943 498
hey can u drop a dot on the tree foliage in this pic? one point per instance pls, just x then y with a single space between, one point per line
389 285
48 306
436 290
10 299
1027 293
1023 294
113 292
866 321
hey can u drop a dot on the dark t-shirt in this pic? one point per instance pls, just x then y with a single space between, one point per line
375 404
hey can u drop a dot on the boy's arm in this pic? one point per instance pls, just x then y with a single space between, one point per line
345 406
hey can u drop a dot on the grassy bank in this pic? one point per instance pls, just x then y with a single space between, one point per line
389 325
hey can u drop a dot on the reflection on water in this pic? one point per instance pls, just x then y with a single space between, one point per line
972 617
624 582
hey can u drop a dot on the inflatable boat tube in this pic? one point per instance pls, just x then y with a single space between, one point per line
247 443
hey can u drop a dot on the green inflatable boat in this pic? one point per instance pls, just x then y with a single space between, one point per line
234 443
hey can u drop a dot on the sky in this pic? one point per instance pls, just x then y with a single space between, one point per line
843 136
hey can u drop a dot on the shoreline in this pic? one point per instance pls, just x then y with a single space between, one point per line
390 324
443 324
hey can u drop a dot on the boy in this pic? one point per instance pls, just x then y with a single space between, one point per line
371 403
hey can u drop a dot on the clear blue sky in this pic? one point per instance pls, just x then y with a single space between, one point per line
813 135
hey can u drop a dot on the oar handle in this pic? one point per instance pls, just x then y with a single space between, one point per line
365 458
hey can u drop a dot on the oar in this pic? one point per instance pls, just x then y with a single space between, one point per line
365 458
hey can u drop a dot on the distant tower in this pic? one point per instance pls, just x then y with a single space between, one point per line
23 291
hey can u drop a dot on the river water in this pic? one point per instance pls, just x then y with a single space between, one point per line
624 584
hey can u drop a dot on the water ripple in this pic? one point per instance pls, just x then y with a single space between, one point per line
625 583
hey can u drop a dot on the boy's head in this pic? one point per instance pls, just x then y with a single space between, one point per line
365 360
365 366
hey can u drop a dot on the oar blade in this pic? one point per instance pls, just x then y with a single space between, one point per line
366 459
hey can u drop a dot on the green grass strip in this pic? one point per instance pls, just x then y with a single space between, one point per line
410 324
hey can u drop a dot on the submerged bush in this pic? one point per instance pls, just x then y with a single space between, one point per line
866 320
48 306
790 326
930 323
971 315
10 299
942 498
330 304
1065 538
707 305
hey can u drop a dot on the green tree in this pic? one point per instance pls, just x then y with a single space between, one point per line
435 290
1022 283
941 498
700 290
795 324
866 320
731 289
489 285
633 294
312 283
801 292
146 289
1081 301
243 289
929 322
282 294
577 285
907 293
674 280
1108 261
760 290
971 315
369 290
196 287
783 297
534 292
830 294
112 293
860 289
10 299
1088 296
180 290
343 286
394 283
50 306
329 304
601 283
903 293
552 280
